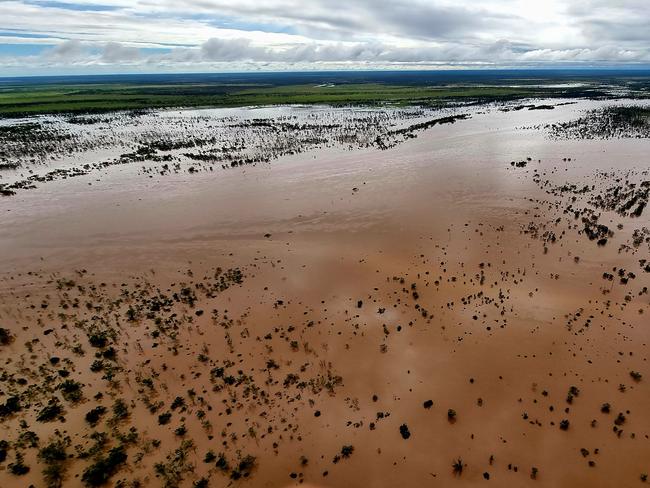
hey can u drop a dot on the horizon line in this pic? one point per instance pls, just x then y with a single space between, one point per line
625 68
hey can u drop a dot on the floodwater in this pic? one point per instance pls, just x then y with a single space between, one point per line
405 271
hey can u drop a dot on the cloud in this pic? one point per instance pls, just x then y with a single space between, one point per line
500 50
233 50
67 50
322 34
114 52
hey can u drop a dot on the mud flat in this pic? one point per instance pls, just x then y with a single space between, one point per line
464 303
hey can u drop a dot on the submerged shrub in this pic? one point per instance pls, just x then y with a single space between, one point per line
104 468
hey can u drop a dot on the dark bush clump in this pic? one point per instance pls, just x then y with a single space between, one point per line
18 467
51 412
94 415
98 339
54 456
11 406
4 447
244 468
120 410
101 471
346 451
5 337
71 390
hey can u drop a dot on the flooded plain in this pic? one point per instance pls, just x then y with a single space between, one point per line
364 299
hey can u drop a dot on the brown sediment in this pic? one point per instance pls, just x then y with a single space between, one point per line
424 315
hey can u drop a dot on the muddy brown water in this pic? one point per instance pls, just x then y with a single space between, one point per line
431 209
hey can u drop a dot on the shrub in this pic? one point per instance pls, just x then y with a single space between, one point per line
4 447
6 337
222 463
244 468
346 451
71 390
27 438
178 402
120 410
49 413
54 456
98 339
53 452
104 468
18 467
11 406
201 483
94 415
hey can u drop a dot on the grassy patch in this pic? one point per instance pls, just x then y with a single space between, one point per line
34 99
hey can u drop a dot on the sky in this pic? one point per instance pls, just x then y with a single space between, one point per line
43 37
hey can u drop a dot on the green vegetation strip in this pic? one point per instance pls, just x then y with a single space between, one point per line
22 100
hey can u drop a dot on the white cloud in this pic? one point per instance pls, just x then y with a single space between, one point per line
199 34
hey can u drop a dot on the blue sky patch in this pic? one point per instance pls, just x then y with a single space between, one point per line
71 5
22 49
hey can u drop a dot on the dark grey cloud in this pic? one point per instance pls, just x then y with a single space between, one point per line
343 19
626 22
427 20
